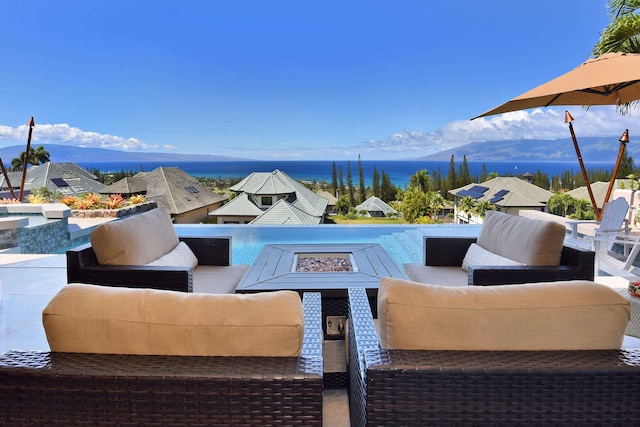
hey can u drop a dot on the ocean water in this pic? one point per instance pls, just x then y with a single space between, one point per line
320 170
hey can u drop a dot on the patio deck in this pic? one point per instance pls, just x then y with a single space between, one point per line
28 282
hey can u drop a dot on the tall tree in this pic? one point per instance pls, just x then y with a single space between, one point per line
350 190
362 188
334 179
627 166
387 189
465 175
341 181
452 179
375 185
483 173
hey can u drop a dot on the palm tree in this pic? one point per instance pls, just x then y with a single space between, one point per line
560 201
466 205
622 34
37 156
435 203
421 179
482 207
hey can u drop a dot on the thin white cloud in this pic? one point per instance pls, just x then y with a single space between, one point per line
535 124
64 134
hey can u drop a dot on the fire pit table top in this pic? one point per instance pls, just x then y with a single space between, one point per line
275 269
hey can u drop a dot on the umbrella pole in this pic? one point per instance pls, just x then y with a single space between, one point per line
623 144
26 158
569 119
6 178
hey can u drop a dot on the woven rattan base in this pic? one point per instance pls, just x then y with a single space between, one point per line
61 389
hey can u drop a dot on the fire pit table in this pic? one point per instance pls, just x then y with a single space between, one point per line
329 269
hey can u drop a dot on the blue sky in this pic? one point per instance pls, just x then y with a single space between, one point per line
297 80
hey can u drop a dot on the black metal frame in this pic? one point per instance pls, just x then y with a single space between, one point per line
575 264
83 267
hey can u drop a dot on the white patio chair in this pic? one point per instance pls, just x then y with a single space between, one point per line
613 263
612 222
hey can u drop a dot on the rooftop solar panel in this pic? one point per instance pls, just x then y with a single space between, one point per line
59 182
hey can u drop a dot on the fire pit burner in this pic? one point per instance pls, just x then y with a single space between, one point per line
324 263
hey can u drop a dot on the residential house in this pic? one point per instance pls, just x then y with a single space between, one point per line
506 194
375 207
67 179
182 195
272 198
331 201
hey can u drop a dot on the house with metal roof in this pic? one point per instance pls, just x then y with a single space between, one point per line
67 179
506 194
331 199
272 198
375 207
182 195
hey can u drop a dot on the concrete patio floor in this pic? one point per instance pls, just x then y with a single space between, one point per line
28 282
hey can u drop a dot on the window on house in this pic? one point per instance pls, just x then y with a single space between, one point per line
267 201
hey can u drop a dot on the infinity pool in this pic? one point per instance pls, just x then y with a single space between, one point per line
403 242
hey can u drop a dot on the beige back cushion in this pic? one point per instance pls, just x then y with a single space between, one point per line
102 319
135 240
526 240
575 315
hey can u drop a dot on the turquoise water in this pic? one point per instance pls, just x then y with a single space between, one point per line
403 242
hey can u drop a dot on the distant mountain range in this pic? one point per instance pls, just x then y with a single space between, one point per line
591 148
69 154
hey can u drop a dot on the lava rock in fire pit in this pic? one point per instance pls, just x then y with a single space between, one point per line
323 264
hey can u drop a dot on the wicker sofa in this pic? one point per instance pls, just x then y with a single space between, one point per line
509 250
144 251
86 388
393 387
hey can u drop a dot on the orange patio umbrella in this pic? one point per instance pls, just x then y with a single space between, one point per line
610 79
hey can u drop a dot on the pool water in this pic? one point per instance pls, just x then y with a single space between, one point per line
403 242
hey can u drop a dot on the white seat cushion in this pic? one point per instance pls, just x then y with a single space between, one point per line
439 275
214 279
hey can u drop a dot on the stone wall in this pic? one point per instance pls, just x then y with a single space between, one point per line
53 236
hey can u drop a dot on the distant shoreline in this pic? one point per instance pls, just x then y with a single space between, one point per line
320 170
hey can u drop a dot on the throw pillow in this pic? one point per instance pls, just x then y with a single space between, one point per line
180 256
477 255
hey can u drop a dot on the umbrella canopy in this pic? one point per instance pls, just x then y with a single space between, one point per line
610 79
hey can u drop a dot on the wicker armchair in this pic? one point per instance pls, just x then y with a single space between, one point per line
59 389
83 267
444 388
575 264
